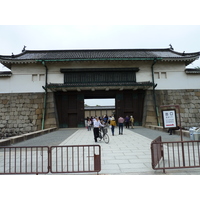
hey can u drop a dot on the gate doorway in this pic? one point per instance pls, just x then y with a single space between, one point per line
71 112
99 107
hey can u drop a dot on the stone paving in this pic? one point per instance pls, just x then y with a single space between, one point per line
128 153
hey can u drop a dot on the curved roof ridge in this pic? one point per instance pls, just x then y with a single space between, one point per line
164 54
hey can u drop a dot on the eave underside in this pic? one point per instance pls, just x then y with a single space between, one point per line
99 86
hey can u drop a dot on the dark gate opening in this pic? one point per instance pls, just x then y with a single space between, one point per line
71 112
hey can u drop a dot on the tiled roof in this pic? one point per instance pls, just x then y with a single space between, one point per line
98 54
192 71
5 73
99 107
52 85
89 85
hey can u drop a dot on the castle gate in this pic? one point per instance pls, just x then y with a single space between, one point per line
80 84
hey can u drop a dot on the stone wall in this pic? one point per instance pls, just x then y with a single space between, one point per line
51 119
22 113
188 100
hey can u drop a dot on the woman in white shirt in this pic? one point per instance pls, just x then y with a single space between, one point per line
96 124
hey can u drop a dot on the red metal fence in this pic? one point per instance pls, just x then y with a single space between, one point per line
75 159
55 159
24 160
174 155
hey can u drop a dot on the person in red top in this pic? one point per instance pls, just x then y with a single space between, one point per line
121 125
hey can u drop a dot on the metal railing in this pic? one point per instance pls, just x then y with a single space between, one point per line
75 159
174 155
55 159
24 160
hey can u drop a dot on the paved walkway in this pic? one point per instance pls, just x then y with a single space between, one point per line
125 154
128 153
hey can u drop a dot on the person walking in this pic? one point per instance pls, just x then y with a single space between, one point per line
96 124
121 125
127 121
105 118
131 121
89 124
113 124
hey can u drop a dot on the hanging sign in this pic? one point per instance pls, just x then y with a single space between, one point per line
169 118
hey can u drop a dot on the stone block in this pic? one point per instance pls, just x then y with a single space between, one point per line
37 101
38 111
35 106
50 121
5 101
197 94
151 119
27 129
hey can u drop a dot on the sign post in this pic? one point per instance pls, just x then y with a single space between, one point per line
170 118
170 121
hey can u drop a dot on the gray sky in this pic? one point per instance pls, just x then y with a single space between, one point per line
49 37
45 37
105 24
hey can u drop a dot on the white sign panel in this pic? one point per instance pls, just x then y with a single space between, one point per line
169 118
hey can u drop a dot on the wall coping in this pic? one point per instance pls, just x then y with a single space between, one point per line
26 136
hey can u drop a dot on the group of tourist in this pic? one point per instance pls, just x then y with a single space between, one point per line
97 122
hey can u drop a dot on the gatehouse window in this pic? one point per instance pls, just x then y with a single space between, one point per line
160 75
156 75
34 77
38 77
41 77
86 76
163 75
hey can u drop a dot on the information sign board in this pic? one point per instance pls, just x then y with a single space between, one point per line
169 118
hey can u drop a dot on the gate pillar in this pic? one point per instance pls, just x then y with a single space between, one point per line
119 107
80 110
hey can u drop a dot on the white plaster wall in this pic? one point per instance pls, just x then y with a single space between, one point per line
20 84
5 84
21 80
176 78
144 73
193 81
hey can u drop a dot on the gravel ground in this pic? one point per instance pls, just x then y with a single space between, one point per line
50 139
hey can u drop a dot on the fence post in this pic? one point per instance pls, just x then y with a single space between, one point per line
97 163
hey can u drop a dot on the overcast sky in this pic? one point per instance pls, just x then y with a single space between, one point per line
104 25
40 37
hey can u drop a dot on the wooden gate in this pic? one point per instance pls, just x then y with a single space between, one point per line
70 105
70 109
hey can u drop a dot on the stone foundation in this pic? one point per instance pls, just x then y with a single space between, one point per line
188 100
22 113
